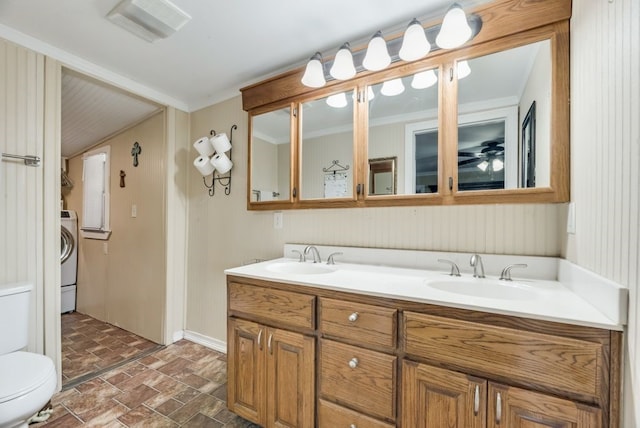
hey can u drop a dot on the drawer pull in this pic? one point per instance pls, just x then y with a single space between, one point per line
353 363
498 408
260 339
269 344
476 401
353 317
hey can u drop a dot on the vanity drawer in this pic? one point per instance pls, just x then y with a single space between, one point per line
561 363
331 415
277 306
356 377
367 324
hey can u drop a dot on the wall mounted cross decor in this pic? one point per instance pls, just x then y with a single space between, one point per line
135 151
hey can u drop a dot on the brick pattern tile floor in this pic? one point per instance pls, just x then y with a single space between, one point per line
181 385
89 346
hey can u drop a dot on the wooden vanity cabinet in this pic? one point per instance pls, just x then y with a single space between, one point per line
575 369
271 370
301 356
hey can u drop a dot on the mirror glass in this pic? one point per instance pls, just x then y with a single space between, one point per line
271 156
382 176
403 124
504 119
326 147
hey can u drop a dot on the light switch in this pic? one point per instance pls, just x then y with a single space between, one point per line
105 248
134 211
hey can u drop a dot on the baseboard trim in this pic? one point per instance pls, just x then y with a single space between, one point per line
177 335
209 342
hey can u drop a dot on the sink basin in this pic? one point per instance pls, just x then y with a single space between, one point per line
487 288
296 268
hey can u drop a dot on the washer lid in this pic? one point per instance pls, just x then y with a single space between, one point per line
22 372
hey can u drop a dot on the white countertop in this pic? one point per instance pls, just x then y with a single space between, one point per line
550 300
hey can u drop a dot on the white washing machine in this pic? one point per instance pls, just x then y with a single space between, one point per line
68 259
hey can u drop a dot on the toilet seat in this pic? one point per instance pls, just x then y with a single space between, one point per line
22 373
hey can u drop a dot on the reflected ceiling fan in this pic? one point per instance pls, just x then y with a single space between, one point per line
489 155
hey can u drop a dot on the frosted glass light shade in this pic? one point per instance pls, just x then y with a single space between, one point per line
393 87
370 94
424 79
483 165
497 165
343 68
463 69
314 73
455 29
414 43
377 57
337 100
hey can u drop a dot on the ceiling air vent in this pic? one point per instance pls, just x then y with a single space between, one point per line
149 19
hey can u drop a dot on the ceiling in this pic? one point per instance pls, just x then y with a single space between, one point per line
225 46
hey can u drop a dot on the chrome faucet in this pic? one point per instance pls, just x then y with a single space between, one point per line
476 262
314 251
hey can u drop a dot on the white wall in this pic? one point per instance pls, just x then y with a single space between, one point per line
605 158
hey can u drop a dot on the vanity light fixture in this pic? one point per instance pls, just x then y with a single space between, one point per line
343 68
455 30
463 69
377 57
392 87
314 73
414 42
337 100
213 159
424 79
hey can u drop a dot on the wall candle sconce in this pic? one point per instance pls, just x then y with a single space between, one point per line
214 160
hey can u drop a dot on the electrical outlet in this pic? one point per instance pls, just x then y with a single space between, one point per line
277 220
134 211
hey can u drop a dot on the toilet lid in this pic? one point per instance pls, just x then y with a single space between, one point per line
22 372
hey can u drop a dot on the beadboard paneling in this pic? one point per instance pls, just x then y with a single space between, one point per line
21 133
122 280
605 154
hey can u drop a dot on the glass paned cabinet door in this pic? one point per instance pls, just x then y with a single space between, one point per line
327 147
402 140
271 156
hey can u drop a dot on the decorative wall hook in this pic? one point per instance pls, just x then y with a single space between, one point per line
135 151
221 161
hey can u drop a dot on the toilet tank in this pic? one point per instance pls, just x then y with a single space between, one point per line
14 316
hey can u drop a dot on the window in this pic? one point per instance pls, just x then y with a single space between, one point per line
95 201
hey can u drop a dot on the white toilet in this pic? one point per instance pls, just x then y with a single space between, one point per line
27 380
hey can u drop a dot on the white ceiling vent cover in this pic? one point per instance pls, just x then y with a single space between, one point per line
149 19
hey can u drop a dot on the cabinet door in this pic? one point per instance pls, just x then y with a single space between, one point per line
290 379
511 407
245 366
434 398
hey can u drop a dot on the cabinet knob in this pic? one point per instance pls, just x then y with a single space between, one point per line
353 317
353 363
353 426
